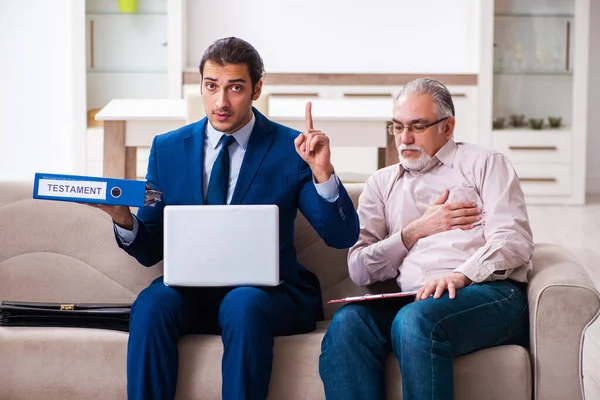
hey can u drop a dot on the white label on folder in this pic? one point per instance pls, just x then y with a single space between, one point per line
76 189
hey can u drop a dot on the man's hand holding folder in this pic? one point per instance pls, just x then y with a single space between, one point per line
121 215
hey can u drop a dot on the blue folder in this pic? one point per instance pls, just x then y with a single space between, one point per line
89 189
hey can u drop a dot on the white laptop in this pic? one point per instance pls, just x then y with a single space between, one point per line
229 245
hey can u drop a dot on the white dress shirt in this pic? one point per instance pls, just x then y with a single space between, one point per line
329 190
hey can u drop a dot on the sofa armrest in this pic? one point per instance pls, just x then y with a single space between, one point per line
563 302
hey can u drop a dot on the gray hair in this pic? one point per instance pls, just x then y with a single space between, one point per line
442 100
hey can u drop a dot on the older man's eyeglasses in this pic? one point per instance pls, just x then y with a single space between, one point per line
397 129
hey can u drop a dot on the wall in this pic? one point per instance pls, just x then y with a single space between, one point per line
306 35
43 84
593 139
129 51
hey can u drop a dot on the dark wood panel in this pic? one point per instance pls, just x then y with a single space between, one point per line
381 157
391 152
130 162
193 77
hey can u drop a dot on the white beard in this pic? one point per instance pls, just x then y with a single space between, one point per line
414 164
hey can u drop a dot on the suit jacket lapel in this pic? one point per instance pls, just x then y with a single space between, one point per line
261 138
194 150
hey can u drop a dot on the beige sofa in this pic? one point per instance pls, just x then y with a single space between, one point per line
64 252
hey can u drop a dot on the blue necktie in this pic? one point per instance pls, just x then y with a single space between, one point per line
219 176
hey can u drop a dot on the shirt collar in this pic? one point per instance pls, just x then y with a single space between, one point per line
447 152
445 155
242 135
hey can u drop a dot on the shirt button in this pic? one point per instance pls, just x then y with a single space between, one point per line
420 197
424 251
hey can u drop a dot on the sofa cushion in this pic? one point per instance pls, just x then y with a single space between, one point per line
66 251
53 277
62 363
72 363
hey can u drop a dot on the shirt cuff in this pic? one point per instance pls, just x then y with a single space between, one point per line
330 189
125 236
475 271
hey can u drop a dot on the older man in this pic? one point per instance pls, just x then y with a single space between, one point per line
450 222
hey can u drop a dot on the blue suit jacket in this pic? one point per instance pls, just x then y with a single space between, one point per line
271 173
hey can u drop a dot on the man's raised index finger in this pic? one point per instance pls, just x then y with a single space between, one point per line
308 116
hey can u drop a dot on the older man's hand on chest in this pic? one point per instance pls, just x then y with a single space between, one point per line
440 217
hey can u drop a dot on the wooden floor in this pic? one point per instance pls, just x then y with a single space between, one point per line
577 228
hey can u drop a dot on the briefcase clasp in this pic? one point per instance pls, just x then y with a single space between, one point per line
67 307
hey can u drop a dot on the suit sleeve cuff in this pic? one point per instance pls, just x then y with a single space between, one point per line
125 236
330 189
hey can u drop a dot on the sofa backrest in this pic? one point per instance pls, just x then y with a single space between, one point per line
329 264
62 252
66 252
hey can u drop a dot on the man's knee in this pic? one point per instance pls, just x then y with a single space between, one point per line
346 326
413 321
243 306
157 305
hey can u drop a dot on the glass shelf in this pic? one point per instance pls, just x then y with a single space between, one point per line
535 73
531 15
546 129
120 13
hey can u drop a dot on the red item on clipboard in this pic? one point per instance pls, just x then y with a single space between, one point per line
372 297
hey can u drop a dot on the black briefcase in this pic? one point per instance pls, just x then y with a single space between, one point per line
73 315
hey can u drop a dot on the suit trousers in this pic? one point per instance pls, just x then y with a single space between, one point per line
247 318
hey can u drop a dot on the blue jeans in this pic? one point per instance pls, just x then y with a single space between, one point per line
425 336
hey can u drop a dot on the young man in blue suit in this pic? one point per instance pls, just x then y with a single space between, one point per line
233 156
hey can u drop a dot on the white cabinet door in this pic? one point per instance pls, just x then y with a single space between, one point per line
126 42
529 146
545 180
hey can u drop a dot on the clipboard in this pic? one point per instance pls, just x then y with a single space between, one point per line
366 297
